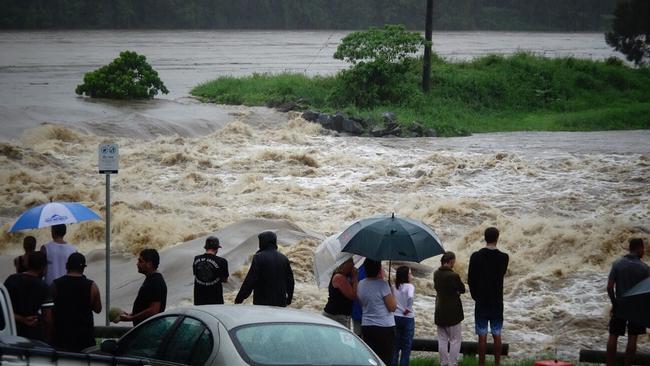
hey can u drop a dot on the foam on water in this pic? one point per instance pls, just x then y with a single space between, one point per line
565 206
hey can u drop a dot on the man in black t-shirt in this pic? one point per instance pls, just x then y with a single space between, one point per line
152 296
210 271
31 299
487 268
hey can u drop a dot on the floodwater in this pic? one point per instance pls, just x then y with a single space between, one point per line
565 202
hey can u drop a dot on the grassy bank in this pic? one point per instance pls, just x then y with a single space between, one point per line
522 92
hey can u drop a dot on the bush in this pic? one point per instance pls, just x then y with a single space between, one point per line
127 77
374 83
382 59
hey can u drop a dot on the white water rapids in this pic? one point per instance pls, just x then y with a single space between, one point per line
566 203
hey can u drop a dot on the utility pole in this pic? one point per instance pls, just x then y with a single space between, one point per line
428 35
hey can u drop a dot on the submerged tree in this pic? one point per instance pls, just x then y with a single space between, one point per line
630 33
381 59
127 77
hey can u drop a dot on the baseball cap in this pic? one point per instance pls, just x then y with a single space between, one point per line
76 261
212 242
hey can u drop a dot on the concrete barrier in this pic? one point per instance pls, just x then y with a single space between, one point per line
466 348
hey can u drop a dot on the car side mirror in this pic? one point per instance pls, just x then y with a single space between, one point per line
108 346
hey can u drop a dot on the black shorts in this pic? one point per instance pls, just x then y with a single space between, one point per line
617 327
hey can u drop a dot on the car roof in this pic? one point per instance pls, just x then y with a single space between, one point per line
232 316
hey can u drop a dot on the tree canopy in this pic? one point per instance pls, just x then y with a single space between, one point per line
127 77
630 33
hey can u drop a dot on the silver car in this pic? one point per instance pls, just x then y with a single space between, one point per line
211 335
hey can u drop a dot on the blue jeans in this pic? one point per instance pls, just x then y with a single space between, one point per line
404 330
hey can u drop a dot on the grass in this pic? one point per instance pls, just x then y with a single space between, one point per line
522 92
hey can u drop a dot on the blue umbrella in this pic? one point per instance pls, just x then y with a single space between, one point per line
391 238
634 305
53 213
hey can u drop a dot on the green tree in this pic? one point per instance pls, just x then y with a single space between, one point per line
381 59
391 44
630 33
127 77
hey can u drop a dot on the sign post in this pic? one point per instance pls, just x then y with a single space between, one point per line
109 159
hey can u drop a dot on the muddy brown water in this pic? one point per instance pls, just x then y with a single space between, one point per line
565 202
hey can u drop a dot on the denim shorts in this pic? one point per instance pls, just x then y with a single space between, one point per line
481 325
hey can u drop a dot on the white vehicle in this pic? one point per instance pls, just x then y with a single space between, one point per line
211 335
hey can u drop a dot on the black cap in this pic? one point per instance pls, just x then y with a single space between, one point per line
76 261
212 242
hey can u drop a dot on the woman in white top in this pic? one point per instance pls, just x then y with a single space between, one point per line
404 316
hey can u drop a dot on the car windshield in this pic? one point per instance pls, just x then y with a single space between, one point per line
301 344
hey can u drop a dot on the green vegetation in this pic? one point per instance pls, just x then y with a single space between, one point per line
522 92
630 33
529 15
380 58
127 77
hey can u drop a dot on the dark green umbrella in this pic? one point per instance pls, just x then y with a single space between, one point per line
634 305
391 238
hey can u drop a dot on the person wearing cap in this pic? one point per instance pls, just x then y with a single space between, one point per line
210 271
270 277
75 299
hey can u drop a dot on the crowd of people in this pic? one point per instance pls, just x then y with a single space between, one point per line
53 300
387 314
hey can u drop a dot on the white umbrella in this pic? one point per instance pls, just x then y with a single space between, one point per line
327 257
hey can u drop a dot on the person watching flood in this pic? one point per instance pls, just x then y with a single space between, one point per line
378 305
449 309
210 272
342 290
152 295
270 277
75 299
626 272
487 268
31 299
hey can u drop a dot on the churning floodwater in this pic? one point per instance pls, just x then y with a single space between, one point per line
565 202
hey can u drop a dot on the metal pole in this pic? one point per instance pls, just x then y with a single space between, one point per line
108 247
428 36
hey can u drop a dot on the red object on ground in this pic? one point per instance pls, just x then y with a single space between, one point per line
552 363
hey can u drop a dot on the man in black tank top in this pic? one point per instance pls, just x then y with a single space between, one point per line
75 298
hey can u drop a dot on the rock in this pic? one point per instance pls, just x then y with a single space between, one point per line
288 106
377 131
337 122
352 126
431 133
361 121
395 130
310 116
418 129
389 117
325 120
420 173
